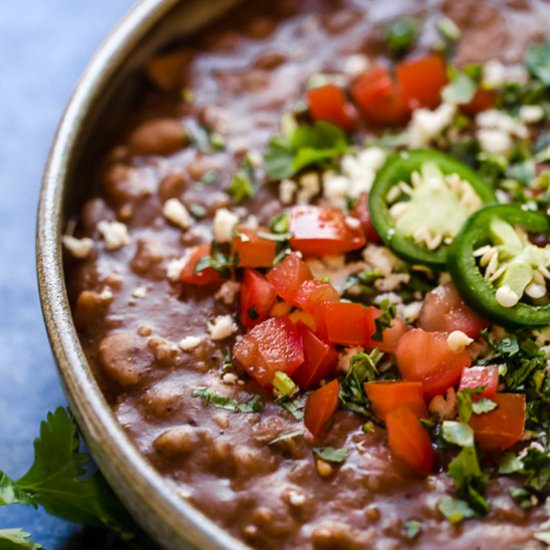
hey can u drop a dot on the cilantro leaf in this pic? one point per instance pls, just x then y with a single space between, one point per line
57 481
17 539
460 90
241 187
457 433
509 463
330 454
536 466
254 404
294 406
400 35
537 59
308 145
412 529
384 320
484 405
464 403
286 437
455 510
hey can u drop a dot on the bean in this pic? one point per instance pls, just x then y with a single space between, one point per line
160 136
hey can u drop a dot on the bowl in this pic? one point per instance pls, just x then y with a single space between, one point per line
108 84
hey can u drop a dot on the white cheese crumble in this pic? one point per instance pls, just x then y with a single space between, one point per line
496 130
506 297
335 189
221 327
355 64
230 378
228 292
189 343
309 187
115 234
495 74
458 341
175 212
380 258
139 292
494 142
287 190
531 114
426 125
224 221
78 248
175 266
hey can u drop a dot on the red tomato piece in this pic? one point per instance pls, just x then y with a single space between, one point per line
329 103
274 345
388 396
502 427
426 357
257 298
421 81
444 311
320 361
409 441
378 98
312 293
321 231
361 212
287 277
205 277
344 323
483 100
252 250
320 406
390 335
477 377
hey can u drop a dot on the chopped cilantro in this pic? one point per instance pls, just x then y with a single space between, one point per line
412 529
294 406
384 320
307 145
484 405
509 463
448 29
279 223
210 176
455 510
277 237
522 497
227 364
330 454
286 437
457 433
460 90
254 404
400 35
241 186
464 402
537 59
217 260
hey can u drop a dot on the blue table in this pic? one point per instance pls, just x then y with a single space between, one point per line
44 46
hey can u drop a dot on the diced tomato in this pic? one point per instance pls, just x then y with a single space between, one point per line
421 81
274 345
312 293
361 212
303 317
388 396
502 427
409 441
319 361
329 103
483 100
345 323
477 377
390 335
444 311
287 277
205 277
320 406
321 231
251 249
257 298
379 99
426 357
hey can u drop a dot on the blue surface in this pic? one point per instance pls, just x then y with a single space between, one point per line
44 47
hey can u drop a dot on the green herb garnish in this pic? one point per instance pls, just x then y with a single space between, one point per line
412 529
330 454
400 35
209 397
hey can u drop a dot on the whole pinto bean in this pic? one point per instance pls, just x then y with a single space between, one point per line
160 136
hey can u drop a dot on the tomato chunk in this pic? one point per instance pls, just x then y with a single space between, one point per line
257 298
287 277
426 357
378 98
321 231
320 406
502 427
444 311
312 293
388 396
319 361
345 323
409 441
390 335
361 212
329 103
483 100
205 277
274 345
251 249
421 81
477 377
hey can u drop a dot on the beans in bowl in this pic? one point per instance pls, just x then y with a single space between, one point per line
312 278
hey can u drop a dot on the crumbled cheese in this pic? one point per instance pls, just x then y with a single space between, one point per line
287 190
380 258
458 341
410 312
175 266
390 296
495 74
228 292
106 295
115 234
391 282
139 292
496 130
335 189
189 343
221 327
494 142
334 269
361 169
345 356
224 221
355 64
309 187
230 378
296 497
426 125
353 223
175 212
251 222
255 158
506 297
444 408
78 248
531 114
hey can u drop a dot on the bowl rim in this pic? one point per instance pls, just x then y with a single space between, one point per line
152 500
